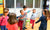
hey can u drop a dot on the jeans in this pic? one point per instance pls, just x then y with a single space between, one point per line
3 28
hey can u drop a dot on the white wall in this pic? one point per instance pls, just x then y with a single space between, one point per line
17 11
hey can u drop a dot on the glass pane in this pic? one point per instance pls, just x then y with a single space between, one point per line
19 3
10 3
29 3
37 3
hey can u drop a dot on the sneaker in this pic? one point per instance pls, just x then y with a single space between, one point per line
32 27
25 27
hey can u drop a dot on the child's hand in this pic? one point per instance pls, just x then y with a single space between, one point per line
35 23
3 16
19 18
47 18
26 13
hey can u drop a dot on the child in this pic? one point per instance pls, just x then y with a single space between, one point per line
12 22
22 18
25 11
3 19
32 19
43 19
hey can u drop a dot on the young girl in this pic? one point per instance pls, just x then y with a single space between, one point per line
3 19
12 22
43 19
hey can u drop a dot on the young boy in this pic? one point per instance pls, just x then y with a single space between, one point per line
25 11
22 19
32 19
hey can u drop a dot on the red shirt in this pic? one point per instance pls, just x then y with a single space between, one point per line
12 27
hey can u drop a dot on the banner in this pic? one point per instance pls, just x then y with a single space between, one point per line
1 6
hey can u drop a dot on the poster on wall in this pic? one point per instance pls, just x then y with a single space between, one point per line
1 6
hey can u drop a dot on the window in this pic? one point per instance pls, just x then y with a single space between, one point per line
9 3
19 3
29 3
37 3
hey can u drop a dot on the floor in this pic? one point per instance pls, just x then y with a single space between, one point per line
48 25
36 26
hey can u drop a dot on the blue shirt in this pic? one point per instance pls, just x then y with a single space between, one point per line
43 21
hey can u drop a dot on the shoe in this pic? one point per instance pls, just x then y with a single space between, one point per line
32 27
25 27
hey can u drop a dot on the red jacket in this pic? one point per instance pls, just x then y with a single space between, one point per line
3 20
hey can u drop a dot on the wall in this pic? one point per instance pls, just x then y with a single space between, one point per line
17 11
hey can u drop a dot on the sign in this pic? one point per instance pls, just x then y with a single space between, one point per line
1 6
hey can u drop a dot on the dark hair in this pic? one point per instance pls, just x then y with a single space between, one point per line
46 13
5 10
21 10
12 18
24 7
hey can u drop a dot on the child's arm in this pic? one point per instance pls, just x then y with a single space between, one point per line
28 11
47 18
1 18
39 20
22 17
37 12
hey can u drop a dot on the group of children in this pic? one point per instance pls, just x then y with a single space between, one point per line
11 22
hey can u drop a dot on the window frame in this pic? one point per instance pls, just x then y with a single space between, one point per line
24 4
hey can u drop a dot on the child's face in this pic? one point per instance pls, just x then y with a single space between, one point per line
6 13
34 11
43 13
24 8
22 12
